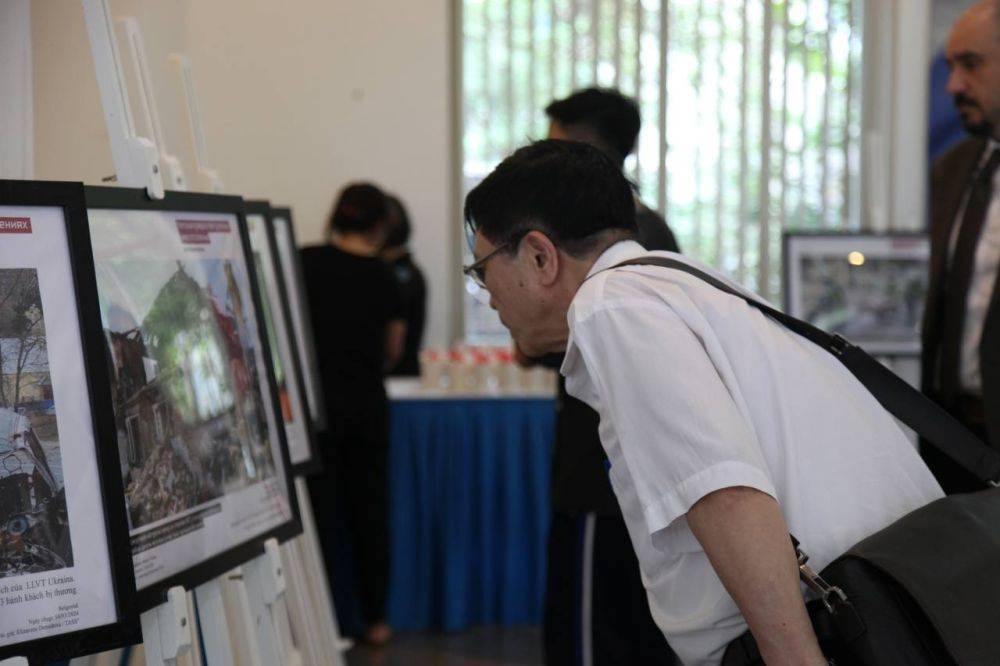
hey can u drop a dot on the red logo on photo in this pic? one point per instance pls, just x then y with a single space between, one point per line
196 232
15 225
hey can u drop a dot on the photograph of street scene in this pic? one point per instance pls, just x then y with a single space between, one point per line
191 420
879 302
34 526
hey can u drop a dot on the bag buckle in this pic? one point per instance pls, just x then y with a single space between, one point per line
830 595
840 344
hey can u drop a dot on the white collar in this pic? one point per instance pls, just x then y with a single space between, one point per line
617 253
991 145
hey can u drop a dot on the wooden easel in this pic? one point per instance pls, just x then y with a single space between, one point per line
243 616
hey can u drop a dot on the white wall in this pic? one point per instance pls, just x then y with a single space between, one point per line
16 147
897 57
298 98
898 54
943 14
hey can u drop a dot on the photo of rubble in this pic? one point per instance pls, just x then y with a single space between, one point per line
34 526
191 420
880 301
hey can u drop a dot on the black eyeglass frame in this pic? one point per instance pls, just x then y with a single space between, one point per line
476 271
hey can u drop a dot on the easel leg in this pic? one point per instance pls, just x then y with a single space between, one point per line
304 617
214 627
265 586
15 661
312 556
166 630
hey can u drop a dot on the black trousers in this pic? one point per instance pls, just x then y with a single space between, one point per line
354 487
596 610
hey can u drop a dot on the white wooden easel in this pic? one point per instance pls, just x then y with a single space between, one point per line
310 609
308 615
330 644
173 172
208 178
251 601
308 620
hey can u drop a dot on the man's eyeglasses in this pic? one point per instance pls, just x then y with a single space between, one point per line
477 269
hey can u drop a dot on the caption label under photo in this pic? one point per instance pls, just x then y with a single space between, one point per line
47 603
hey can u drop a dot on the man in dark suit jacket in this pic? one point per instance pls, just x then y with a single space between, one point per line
961 332
596 609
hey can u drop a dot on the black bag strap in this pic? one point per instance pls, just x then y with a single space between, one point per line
900 399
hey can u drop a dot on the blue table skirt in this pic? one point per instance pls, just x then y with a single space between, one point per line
469 507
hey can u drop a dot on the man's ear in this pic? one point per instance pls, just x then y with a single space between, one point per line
543 256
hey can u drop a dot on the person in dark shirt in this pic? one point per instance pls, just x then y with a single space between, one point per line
413 287
588 529
610 121
357 315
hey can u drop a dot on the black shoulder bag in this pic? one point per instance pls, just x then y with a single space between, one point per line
926 589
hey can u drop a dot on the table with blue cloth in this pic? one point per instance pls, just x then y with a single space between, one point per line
469 510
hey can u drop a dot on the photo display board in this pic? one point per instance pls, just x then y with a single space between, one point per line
66 585
201 449
868 288
285 362
291 268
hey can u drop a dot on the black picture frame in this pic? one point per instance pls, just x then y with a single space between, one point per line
313 464
282 215
129 199
69 198
897 246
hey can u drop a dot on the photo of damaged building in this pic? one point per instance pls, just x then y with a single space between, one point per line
190 416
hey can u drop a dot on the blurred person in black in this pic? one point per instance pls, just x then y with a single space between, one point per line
357 315
396 253
596 611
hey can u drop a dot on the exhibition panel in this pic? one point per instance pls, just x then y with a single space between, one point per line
66 582
201 450
287 372
868 288
291 267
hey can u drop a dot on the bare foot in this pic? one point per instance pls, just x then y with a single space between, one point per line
378 634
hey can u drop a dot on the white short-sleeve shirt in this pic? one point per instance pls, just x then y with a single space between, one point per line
698 391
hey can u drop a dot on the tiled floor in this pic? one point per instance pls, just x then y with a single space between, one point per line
484 646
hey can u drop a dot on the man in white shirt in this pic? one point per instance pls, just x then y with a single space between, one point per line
724 431
961 331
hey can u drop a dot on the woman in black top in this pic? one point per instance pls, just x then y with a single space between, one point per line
357 317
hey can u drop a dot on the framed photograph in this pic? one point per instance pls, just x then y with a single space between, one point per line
291 270
66 583
869 288
201 446
285 361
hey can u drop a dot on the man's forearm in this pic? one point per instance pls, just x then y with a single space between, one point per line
746 540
